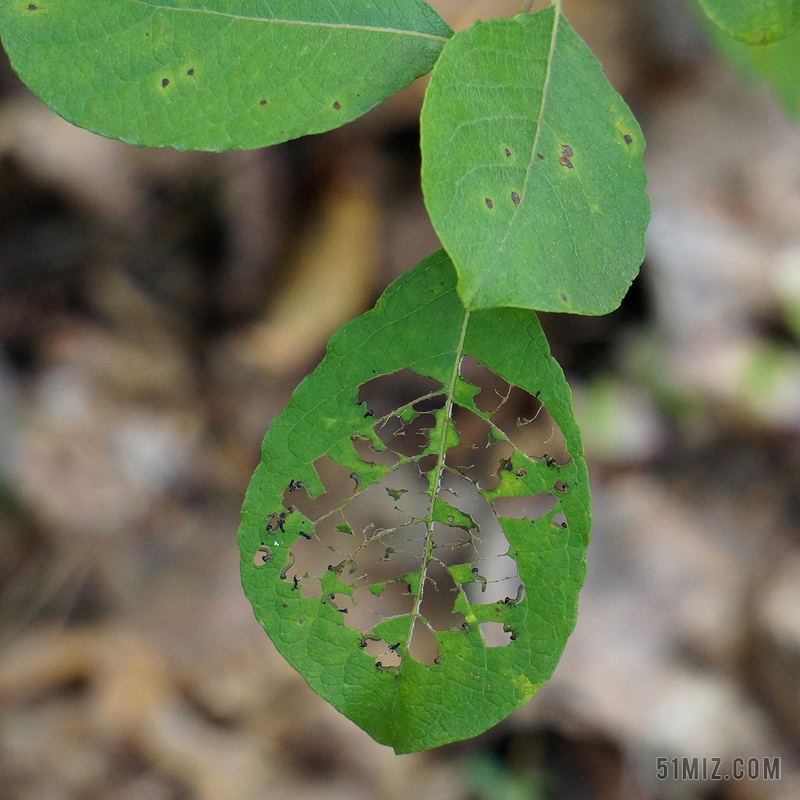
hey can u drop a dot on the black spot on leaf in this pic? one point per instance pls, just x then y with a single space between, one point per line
567 150
565 162
489 203
263 102
165 83
508 153
337 105
190 72
628 139
515 198
540 156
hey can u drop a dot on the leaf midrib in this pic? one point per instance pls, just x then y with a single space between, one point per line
305 23
435 487
528 169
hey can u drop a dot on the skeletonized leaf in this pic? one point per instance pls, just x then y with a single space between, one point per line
217 74
414 538
755 22
532 169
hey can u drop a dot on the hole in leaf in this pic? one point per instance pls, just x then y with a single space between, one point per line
496 579
424 647
531 507
439 598
388 393
493 390
394 601
530 427
382 651
495 634
408 439
559 520
369 453
337 486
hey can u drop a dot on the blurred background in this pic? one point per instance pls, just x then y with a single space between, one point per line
157 309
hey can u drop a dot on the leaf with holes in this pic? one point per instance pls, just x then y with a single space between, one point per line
217 74
754 22
414 538
532 169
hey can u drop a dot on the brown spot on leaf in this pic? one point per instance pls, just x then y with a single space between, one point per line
489 203
628 139
337 105
190 72
565 162
540 156
165 83
567 150
31 7
508 153
263 102
563 297
515 198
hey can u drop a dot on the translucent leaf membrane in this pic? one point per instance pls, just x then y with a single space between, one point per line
217 74
532 169
414 539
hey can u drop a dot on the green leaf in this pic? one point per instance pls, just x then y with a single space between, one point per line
754 22
777 63
399 621
217 74
532 169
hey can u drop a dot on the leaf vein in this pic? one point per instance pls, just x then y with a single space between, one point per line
304 23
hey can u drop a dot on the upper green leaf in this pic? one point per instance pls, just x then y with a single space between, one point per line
532 169
422 501
755 21
217 74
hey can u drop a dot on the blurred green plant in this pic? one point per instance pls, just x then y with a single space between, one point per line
489 779
761 40
532 174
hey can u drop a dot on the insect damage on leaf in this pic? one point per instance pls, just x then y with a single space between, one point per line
425 521
424 506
